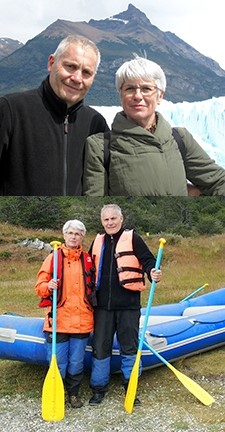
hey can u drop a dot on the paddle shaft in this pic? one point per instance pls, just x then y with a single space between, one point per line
163 360
55 244
194 292
133 381
187 382
54 301
151 295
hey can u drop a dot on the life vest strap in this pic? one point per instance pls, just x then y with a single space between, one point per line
132 269
125 253
127 281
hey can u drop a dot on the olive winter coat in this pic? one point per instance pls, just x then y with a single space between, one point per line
143 164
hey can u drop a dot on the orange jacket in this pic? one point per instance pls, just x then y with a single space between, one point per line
75 314
130 272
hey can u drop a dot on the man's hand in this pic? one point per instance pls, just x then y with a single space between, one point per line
155 275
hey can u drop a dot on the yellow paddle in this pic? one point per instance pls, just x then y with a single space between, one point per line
53 388
133 381
187 382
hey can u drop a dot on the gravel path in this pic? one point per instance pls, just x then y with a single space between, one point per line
19 415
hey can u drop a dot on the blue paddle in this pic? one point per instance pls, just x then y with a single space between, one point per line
133 381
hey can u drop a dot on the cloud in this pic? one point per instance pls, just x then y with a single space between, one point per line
197 22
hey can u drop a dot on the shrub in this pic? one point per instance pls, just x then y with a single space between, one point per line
5 255
209 225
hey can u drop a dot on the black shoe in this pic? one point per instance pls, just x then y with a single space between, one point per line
137 402
96 398
75 402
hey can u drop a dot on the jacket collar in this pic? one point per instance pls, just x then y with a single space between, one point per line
125 127
71 254
115 236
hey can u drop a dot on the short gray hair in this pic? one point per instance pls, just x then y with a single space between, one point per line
140 68
75 224
77 40
113 207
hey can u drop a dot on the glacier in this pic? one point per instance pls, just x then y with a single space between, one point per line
205 120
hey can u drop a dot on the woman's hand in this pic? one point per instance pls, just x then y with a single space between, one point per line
53 284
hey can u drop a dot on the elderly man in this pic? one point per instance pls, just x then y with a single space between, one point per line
43 131
121 257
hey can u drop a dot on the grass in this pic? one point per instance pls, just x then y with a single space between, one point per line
187 264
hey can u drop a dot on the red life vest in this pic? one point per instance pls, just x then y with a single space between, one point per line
130 271
89 279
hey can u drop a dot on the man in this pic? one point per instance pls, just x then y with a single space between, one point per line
43 131
121 257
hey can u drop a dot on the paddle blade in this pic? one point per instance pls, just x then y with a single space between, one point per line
193 387
132 385
53 394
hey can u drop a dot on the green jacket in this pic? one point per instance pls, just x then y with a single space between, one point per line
143 164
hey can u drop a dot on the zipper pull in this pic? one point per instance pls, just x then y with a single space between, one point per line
66 122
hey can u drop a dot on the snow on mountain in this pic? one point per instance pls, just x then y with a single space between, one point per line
205 120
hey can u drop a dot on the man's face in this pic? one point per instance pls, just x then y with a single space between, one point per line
72 74
111 221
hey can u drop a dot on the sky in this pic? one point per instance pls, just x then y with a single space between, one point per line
200 23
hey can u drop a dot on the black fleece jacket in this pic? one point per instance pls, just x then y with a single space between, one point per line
40 154
111 295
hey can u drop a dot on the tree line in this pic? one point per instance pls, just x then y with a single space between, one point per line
185 216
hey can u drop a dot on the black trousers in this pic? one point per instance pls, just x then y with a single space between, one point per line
123 323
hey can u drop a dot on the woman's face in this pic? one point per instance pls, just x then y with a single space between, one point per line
139 100
73 238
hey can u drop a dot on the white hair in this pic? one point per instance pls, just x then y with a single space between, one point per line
77 40
75 224
140 68
113 207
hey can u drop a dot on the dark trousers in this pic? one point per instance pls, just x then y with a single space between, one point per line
123 323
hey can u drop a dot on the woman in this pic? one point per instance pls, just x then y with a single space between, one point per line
75 294
144 158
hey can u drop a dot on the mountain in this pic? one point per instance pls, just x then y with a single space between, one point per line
190 75
8 46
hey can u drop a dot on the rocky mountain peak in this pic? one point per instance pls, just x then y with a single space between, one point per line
8 46
132 14
122 21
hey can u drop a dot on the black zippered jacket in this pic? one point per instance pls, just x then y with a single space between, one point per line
42 142
111 295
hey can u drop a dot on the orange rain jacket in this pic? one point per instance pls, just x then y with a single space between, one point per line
74 314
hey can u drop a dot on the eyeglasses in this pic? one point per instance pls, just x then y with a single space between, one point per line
75 234
146 90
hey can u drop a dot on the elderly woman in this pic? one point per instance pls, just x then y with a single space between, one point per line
75 294
144 157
